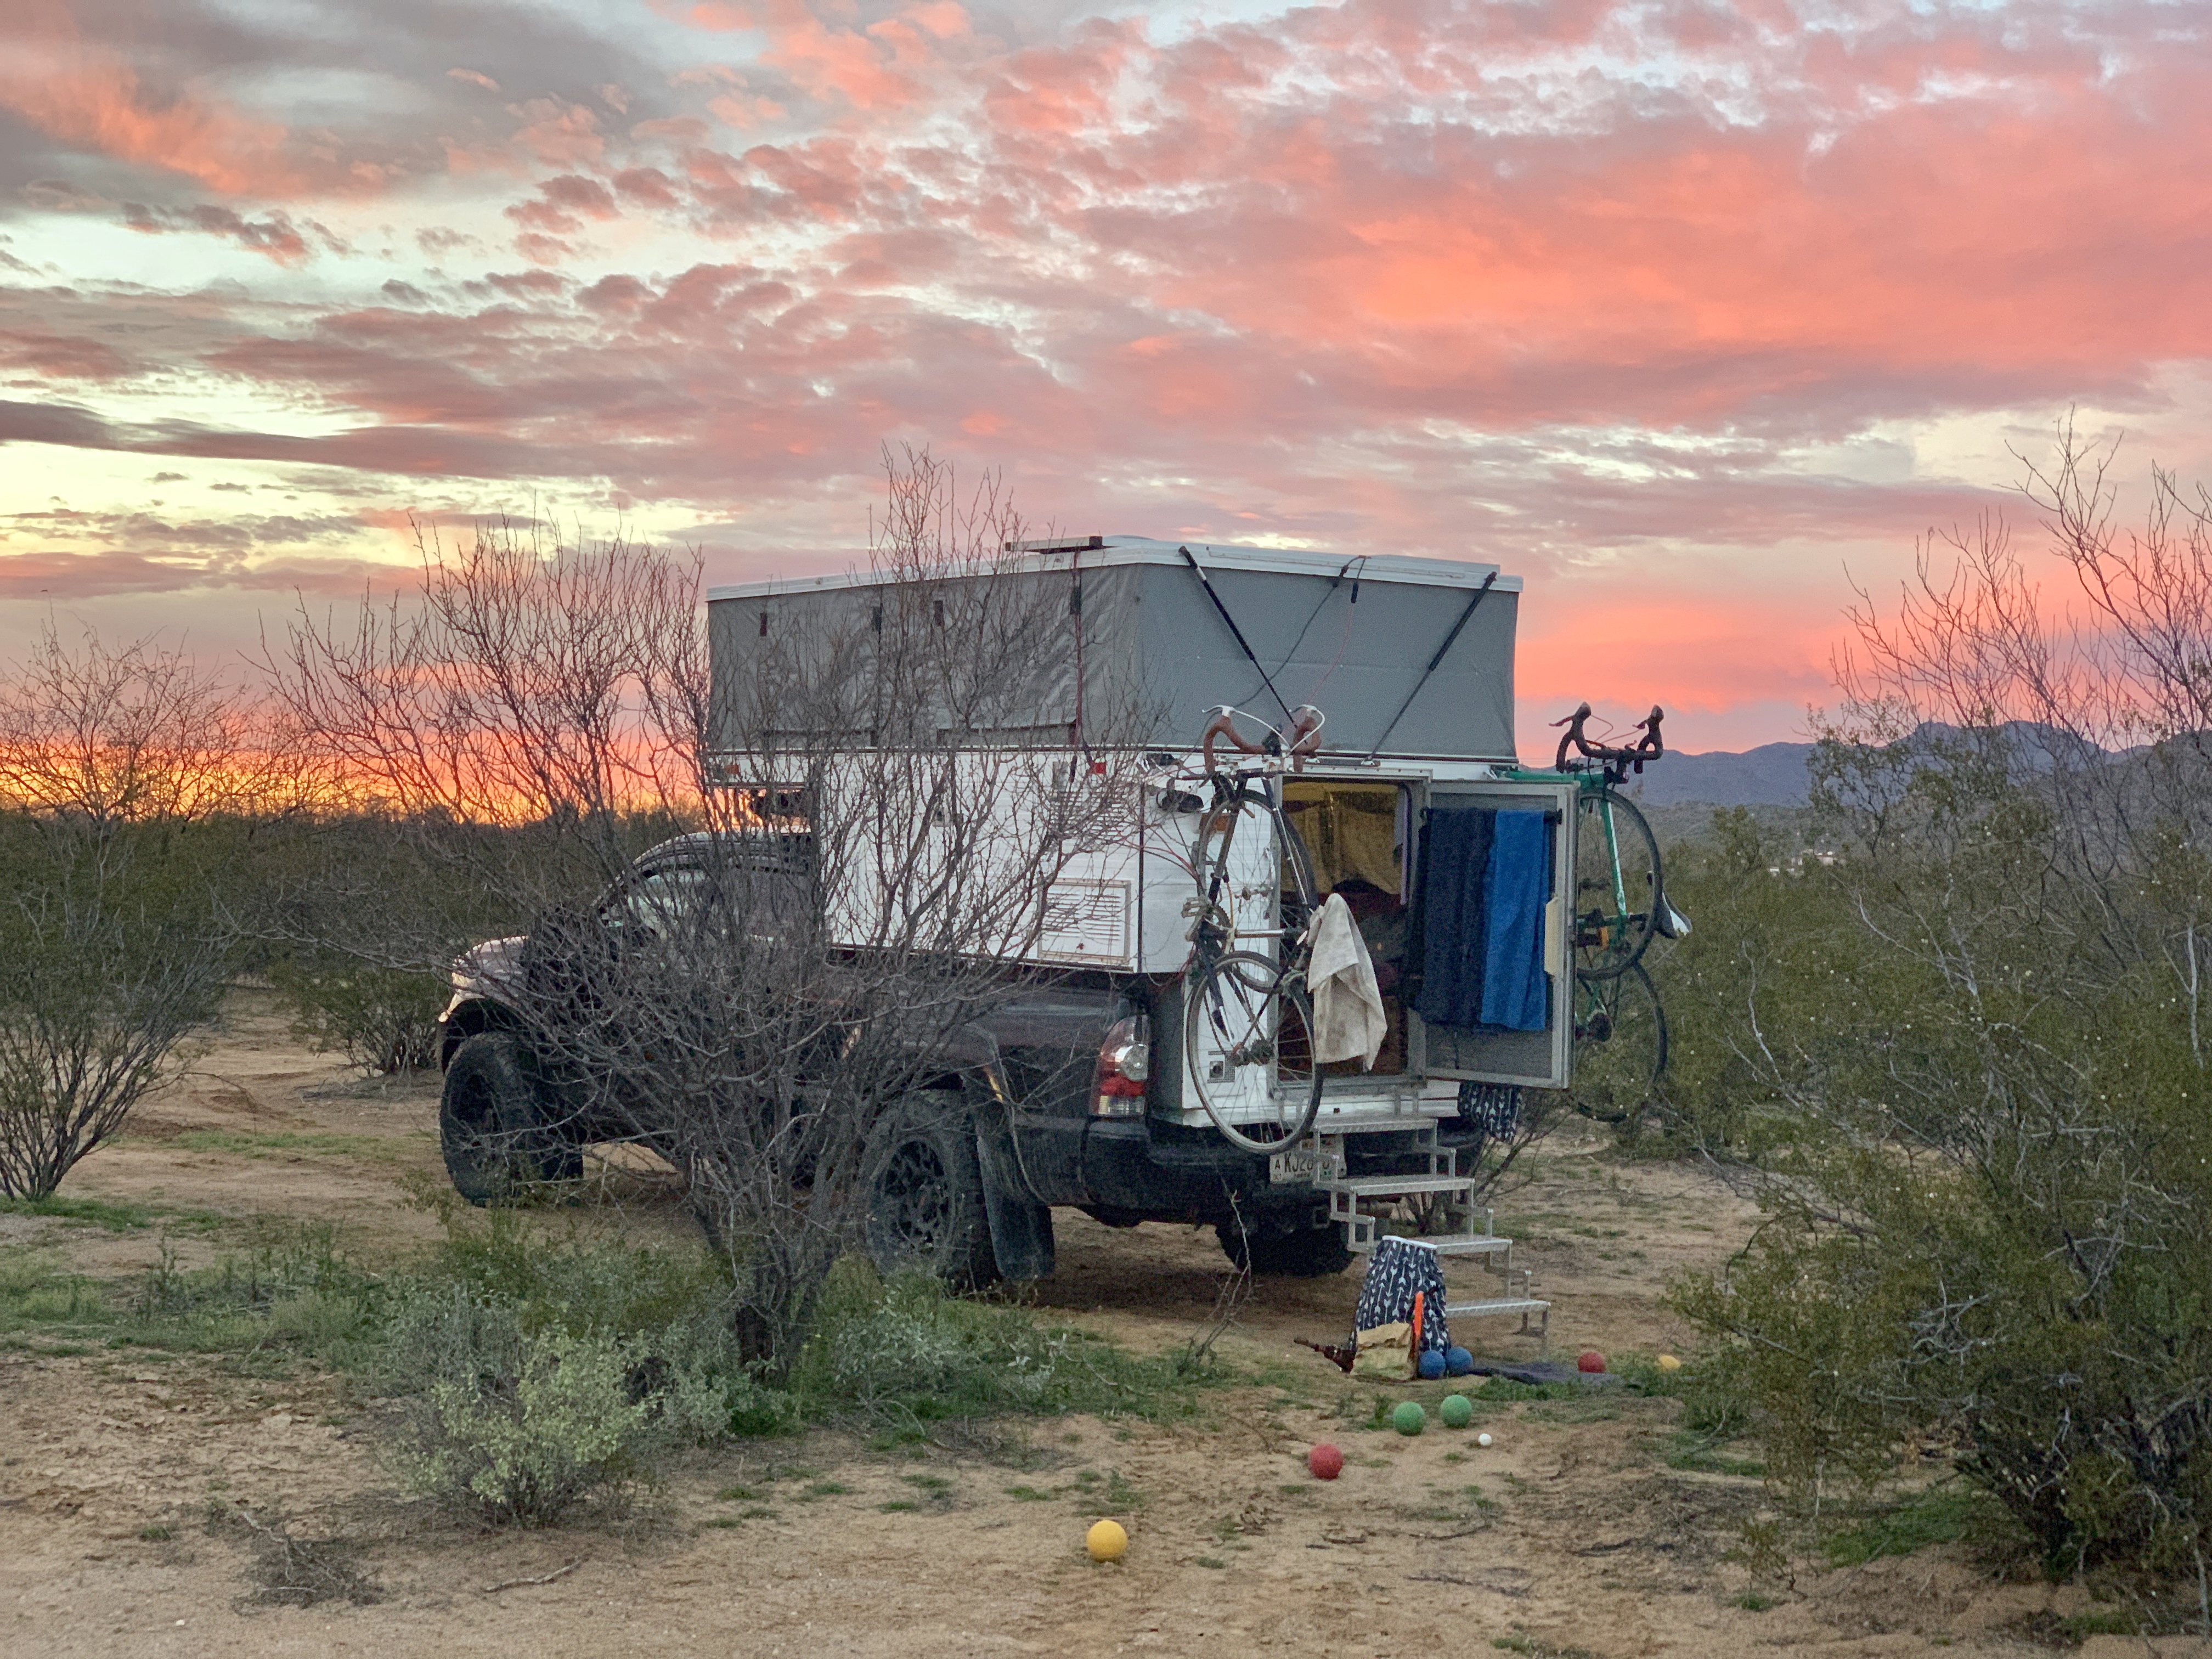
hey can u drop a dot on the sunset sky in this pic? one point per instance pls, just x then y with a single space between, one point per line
1689 314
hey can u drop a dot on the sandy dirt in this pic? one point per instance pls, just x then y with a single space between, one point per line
1569 1535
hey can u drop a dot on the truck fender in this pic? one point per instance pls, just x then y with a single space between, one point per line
1021 1227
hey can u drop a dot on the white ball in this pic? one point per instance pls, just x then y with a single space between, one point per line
1482 1440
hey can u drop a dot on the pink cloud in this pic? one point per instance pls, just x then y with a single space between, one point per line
87 96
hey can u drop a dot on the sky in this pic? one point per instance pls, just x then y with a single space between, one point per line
1694 316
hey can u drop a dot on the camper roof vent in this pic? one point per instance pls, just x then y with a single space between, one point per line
1059 544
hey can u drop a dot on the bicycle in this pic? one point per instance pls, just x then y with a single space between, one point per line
1620 1040
1619 907
1254 1007
1618 902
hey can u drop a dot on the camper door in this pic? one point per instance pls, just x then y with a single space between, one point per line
1495 1000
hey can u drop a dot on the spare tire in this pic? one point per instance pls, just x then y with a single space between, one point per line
923 1186
493 1125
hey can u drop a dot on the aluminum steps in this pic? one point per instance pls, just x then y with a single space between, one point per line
1362 1204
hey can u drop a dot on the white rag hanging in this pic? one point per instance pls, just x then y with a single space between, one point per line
1347 1005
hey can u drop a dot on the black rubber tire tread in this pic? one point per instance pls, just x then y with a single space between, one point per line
491 1123
1633 835
1250 970
1633 988
924 1135
1311 1253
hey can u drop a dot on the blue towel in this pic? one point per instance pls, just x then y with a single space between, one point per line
1515 992
1454 862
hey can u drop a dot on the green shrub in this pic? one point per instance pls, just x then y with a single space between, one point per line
1959 1066
382 1019
906 1352
518 1427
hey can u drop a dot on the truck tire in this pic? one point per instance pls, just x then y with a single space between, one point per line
923 1185
492 1123
1310 1252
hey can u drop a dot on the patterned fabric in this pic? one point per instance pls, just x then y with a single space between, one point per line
1492 1108
1396 1268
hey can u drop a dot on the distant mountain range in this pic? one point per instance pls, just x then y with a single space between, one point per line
1772 774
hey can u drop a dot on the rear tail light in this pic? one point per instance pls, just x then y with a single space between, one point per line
1124 1061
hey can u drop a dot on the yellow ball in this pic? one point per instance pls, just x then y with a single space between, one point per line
1106 1540
1668 1363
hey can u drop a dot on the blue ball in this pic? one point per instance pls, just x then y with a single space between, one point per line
1432 1364
1458 1362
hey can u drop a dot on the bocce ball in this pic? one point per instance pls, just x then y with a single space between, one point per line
1324 1463
1409 1418
1457 1411
1106 1540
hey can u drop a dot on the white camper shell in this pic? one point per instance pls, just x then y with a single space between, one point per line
1410 660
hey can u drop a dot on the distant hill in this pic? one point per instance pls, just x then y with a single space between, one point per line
1772 774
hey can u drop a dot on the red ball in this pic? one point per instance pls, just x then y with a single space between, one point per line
1589 1360
1325 1462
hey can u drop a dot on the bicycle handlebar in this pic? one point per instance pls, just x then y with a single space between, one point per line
1306 722
1650 747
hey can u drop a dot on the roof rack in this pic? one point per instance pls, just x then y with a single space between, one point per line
1058 544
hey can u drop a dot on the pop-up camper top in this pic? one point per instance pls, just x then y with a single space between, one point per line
1138 627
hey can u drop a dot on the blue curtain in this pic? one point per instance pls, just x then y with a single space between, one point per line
1514 993
1455 863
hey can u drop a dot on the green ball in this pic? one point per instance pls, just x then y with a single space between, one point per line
1457 1411
1409 1418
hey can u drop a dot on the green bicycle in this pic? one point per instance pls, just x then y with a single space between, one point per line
1619 906
1618 901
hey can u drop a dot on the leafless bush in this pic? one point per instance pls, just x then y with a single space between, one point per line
884 843
136 734
129 771
521 682
96 995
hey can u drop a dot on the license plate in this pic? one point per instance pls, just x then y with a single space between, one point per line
1294 1168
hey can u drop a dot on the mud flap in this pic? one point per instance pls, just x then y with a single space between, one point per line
1021 1228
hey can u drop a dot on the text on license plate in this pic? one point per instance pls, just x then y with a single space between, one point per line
1286 1168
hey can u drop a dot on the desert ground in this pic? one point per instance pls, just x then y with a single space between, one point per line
1572 1535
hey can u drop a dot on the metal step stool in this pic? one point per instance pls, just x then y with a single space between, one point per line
1361 1204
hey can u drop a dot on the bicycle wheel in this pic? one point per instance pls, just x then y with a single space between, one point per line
1617 894
1620 1046
1245 1036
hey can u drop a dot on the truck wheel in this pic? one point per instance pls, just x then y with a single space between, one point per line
924 1187
491 1123
1310 1252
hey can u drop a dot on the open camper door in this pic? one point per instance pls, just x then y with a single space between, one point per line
1532 1043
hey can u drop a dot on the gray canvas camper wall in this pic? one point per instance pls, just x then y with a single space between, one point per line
1350 636
1132 655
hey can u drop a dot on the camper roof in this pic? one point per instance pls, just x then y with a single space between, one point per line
1101 552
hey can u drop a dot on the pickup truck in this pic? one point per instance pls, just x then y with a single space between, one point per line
1052 1105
